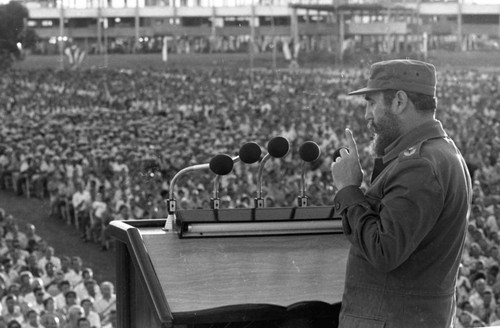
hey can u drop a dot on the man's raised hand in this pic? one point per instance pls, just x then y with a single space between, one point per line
346 169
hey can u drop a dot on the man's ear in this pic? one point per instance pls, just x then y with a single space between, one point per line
400 102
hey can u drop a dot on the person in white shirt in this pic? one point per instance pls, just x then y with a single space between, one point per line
99 209
60 299
74 313
12 311
79 288
477 293
18 256
26 170
50 257
31 319
31 233
119 165
83 323
111 320
50 309
39 179
107 302
82 201
50 320
51 283
15 234
74 274
89 313
4 161
49 277
3 243
36 286
37 304
9 273
491 223
91 290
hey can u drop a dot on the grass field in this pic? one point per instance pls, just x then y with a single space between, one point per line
489 60
130 61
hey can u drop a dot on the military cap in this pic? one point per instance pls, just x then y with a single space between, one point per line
401 74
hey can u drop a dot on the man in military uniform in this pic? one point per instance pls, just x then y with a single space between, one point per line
407 230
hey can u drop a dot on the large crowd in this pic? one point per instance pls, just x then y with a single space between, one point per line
40 288
103 145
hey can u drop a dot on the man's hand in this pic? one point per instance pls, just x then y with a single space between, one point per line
346 170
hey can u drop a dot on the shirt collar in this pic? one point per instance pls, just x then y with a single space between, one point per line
425 131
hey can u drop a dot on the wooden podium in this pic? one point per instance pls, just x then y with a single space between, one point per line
167 280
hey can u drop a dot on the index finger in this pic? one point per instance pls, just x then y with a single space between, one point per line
350 140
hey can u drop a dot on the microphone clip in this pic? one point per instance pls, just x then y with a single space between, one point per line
171 206
259 202
170 222
214 203
303 201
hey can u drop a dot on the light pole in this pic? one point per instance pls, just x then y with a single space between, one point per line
273 32
105 42
252 40
61 35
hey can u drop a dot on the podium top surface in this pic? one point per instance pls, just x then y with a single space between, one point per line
198 274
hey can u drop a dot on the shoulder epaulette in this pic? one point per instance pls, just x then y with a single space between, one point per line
411 152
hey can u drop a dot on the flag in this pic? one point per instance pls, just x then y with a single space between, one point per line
164 50
75 56
286 49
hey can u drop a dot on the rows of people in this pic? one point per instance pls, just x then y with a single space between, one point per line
104 144
38 288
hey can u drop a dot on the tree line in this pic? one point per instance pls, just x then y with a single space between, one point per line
14 33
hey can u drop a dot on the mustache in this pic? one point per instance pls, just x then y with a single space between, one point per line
372 126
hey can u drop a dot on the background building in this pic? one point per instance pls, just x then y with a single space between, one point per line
335 26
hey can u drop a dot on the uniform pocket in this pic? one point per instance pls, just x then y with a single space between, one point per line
350 321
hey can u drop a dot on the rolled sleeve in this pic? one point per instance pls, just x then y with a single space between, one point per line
345 198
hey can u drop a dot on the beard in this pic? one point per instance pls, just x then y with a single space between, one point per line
386 131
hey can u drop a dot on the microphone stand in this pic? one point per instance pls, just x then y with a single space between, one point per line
259 201
215 200
303 200
171 202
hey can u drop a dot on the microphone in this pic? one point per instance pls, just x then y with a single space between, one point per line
221 164
171 202
277 147
309 151
249 153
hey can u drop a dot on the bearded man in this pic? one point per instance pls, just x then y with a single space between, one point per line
407 230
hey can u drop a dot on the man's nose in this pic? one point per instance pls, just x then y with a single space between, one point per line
368 113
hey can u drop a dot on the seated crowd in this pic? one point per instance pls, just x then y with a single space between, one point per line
103 145
40 289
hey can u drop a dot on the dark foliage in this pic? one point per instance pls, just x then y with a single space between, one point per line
13 18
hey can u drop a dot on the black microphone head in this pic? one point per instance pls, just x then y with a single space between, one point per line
309 151
221 164
336 153
250 153
278 147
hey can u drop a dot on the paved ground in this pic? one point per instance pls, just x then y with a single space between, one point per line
65 239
